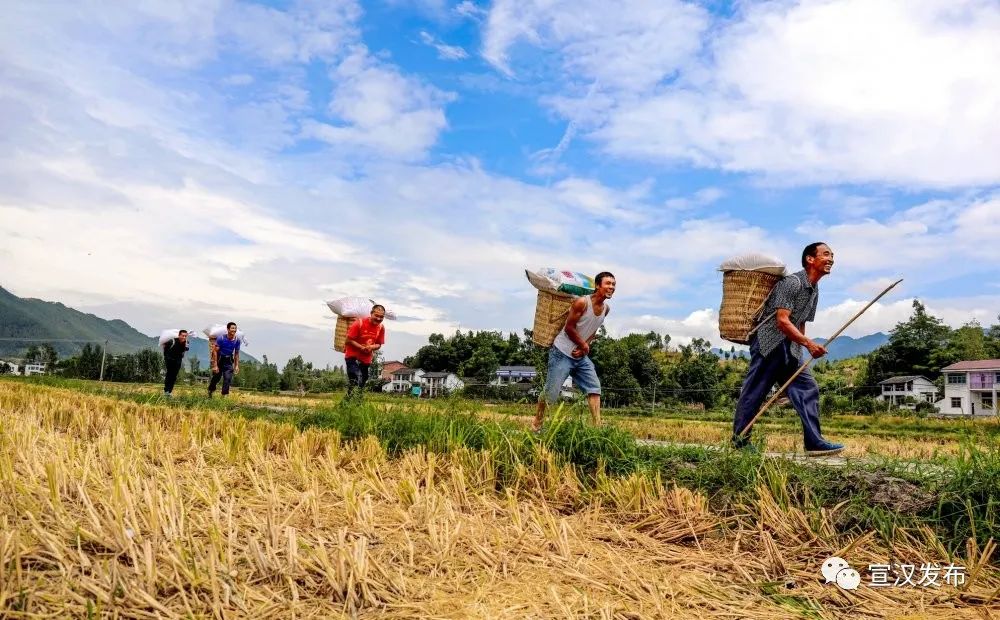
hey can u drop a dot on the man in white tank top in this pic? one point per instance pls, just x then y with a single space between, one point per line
570 352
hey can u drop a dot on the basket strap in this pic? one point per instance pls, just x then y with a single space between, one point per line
756 313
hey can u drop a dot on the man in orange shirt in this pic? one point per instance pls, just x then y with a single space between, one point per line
364 337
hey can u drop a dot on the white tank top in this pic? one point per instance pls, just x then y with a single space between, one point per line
587 326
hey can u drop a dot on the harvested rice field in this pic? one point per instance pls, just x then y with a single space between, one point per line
111 507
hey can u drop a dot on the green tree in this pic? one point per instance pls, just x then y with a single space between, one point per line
697 373
375 381
295 373
968 342
482 365
149 366
917 346
86 365
48 356
32 355
628 371
993 340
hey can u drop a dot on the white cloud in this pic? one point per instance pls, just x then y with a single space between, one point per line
381 109
307 30
884 315
938 240
238 79
624 45
701 323
700 198
469 10
445 51
811 91
704 241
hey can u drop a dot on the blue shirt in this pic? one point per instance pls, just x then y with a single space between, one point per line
226 346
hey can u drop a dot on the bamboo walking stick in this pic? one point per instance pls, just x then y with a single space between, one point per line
806 364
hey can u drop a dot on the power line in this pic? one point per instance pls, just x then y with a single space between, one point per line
91 341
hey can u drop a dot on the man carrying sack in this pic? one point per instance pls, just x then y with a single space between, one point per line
775 349
570 352
173 357
364 337
225 357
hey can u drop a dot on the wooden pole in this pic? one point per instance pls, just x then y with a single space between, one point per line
806 364
104 355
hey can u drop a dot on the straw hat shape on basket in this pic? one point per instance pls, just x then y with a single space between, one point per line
747 280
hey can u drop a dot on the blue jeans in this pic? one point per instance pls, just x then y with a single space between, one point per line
777 367
561 366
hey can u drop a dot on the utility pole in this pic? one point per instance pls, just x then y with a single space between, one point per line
104 354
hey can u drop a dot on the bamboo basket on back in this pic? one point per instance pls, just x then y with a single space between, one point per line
743 295
340 333
551 310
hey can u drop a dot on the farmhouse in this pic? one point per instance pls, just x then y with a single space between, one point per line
896 390
970 388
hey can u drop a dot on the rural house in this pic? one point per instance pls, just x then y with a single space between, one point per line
507 375
970 388
390 367
895 390
402 380
440 383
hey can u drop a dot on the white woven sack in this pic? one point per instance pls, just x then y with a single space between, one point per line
754 261
218 331
356 308
167 335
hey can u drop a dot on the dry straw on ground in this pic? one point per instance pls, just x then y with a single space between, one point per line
109 508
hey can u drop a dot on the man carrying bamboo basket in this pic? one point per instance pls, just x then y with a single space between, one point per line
364 337
570 352
775 349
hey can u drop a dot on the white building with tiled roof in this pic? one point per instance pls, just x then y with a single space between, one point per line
970 388
896 390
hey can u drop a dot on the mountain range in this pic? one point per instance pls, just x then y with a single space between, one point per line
842 348
26 321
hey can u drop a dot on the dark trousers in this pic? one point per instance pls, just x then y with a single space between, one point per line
357 375
173 368
225 373
777 367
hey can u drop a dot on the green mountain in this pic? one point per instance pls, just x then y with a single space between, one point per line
24 322
842 348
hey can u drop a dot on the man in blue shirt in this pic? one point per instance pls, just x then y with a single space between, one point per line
225 360
775 349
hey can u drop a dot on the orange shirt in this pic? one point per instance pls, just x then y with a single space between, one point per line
363 331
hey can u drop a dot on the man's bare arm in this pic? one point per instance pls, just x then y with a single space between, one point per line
575 312
795 335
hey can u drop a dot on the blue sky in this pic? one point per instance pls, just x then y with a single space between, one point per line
184 163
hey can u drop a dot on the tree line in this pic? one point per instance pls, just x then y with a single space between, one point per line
924 344
636 369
